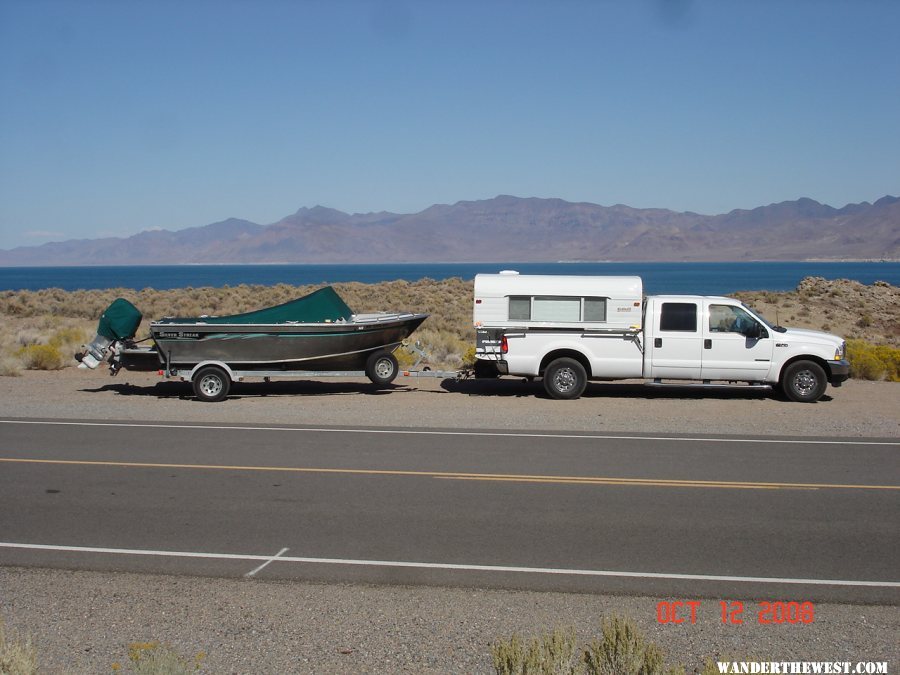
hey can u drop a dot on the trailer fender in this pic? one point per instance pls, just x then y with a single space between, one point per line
220 364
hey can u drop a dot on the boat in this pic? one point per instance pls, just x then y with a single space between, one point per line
317 332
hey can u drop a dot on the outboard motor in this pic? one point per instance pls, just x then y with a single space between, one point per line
119 322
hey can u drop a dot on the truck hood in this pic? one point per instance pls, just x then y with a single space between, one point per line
817 336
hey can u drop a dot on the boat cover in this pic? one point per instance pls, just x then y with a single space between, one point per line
120 321
317 307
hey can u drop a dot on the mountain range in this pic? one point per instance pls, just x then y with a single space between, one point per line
505 229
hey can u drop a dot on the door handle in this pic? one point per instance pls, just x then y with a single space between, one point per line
707 344
657 342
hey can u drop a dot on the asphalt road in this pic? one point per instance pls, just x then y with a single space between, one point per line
793 519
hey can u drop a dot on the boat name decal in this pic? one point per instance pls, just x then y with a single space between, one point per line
178 334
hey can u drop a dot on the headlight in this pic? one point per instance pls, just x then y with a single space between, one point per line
840 352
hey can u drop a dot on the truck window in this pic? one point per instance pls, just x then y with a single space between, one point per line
678 316
520 308
729 319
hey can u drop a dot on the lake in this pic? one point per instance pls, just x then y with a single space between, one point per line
659 278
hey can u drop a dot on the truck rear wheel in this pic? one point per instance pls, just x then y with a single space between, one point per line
382 368
565 378
804 381
211 384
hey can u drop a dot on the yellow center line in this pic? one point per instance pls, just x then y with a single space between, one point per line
455 475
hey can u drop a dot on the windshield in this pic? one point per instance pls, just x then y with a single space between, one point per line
769 324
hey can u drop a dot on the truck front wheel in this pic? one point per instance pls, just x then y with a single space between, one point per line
565 378
804 381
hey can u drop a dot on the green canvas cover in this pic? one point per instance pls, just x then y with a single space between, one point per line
317 307
120 321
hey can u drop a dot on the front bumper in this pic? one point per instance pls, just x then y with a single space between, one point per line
838 372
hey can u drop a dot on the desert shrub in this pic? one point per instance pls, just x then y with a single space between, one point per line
890 357
623 650
154 658
68 336
873 362
552 654
468 357
41 357
16 658
10 367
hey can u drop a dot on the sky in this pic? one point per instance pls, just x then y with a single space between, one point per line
117 117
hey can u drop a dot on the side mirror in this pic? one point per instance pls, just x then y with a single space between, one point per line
754 331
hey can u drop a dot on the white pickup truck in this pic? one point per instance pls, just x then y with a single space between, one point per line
571 329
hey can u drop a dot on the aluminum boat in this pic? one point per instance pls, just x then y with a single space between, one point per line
317 332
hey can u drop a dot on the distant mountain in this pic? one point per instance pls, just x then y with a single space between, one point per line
505 229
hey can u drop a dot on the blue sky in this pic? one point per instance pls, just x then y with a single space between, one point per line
121 116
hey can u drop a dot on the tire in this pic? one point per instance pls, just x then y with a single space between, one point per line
804 381
382 368
565 379
211 384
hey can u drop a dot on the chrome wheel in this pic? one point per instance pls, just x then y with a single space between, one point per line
804 383
211 383
565 380
211 386
383 368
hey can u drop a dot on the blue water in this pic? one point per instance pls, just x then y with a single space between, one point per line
659 278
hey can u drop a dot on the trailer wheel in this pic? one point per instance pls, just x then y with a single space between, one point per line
565 379
211 384
382 368
804 381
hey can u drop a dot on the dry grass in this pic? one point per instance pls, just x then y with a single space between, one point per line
621 649
66 319
16 657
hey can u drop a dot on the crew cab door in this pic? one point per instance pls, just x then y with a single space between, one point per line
675 347
736 346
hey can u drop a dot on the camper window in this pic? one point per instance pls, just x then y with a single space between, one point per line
520 308
595 309
556 308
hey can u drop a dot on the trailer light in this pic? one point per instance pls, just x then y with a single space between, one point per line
504 345
477 301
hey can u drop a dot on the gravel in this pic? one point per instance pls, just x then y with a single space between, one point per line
858 409
82 621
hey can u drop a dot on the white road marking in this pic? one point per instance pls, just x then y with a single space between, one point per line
430 432
451 566
253 572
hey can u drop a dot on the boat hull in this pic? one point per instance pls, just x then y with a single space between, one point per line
289 346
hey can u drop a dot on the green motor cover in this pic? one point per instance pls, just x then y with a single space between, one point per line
120 321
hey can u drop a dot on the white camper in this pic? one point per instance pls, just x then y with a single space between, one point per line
571 329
